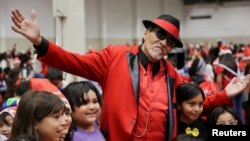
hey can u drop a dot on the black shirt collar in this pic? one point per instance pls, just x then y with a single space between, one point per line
143 58
144 61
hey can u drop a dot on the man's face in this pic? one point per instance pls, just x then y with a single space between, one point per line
157 43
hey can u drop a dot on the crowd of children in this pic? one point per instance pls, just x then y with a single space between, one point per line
32 109
227 61
144 97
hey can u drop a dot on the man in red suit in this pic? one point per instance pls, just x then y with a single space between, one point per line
139 101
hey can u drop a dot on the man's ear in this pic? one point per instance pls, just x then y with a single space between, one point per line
146 32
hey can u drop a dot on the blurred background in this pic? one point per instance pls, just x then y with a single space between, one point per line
78 25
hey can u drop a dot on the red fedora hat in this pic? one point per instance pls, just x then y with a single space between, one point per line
170 24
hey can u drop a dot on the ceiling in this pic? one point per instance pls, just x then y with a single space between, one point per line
190 2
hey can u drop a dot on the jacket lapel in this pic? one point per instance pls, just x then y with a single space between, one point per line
170 119
133 63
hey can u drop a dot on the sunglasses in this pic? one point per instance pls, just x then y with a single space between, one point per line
162 35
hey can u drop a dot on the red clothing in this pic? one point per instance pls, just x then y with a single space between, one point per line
242 65
39 84
227 76
151 119
44 69
116 69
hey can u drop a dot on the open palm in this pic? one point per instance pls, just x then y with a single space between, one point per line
237 85
28 28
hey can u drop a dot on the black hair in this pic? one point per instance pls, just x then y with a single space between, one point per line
6 70
194 71
54 74
75 91
207 59
215 113
23 87
187 91
228 60
32 108
3 118
11 80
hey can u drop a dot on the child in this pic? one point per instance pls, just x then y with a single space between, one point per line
190 98
223 115
85 101
6 120
42 115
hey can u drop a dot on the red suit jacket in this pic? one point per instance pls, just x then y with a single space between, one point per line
116 69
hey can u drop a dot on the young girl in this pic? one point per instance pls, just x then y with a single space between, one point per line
41 115
190 98
223 115
85 101
6 120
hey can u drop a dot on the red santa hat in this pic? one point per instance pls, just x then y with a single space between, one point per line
224 49
45 85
